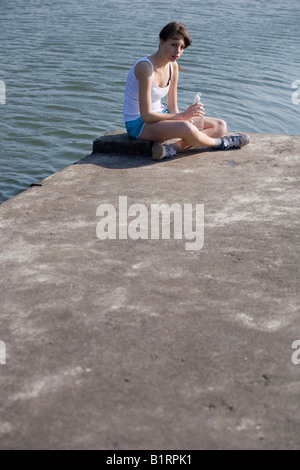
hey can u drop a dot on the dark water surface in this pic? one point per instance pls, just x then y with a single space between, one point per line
64 66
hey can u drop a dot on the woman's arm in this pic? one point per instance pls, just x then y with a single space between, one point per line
172 95
143 73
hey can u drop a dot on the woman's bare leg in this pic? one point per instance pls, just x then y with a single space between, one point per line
213 127
189 134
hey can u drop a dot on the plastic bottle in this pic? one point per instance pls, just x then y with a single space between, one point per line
198 122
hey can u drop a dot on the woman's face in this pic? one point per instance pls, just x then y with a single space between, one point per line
172 48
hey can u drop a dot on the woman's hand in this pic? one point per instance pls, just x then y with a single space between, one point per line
192 112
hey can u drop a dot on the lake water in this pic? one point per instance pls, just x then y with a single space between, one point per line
64 65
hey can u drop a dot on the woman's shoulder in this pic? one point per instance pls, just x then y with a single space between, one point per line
175 68
143 69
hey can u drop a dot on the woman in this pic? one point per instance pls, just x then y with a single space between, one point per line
154 77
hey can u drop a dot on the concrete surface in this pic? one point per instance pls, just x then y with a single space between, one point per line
141 344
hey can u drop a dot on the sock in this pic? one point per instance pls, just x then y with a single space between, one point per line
218 144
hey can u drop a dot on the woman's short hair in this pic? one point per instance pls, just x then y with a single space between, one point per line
175 30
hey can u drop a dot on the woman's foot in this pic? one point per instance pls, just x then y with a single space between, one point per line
233 141
160 150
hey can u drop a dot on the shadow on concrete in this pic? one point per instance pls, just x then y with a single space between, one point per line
116 161
117 150
123 161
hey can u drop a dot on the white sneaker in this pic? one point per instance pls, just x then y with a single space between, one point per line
234 141
160 151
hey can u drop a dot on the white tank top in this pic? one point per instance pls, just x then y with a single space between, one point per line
131 109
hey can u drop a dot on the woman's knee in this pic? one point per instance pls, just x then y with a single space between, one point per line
220 128
188 129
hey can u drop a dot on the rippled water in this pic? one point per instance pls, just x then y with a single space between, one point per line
64 64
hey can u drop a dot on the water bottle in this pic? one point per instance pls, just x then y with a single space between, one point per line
198 122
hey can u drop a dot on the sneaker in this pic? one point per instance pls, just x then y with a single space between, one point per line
234 141
160 151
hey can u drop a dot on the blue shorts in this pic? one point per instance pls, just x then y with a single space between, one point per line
135 128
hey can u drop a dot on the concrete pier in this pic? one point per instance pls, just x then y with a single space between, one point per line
142 344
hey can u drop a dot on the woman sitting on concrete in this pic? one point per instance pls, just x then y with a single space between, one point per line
156 76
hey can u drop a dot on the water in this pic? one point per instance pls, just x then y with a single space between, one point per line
64 64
